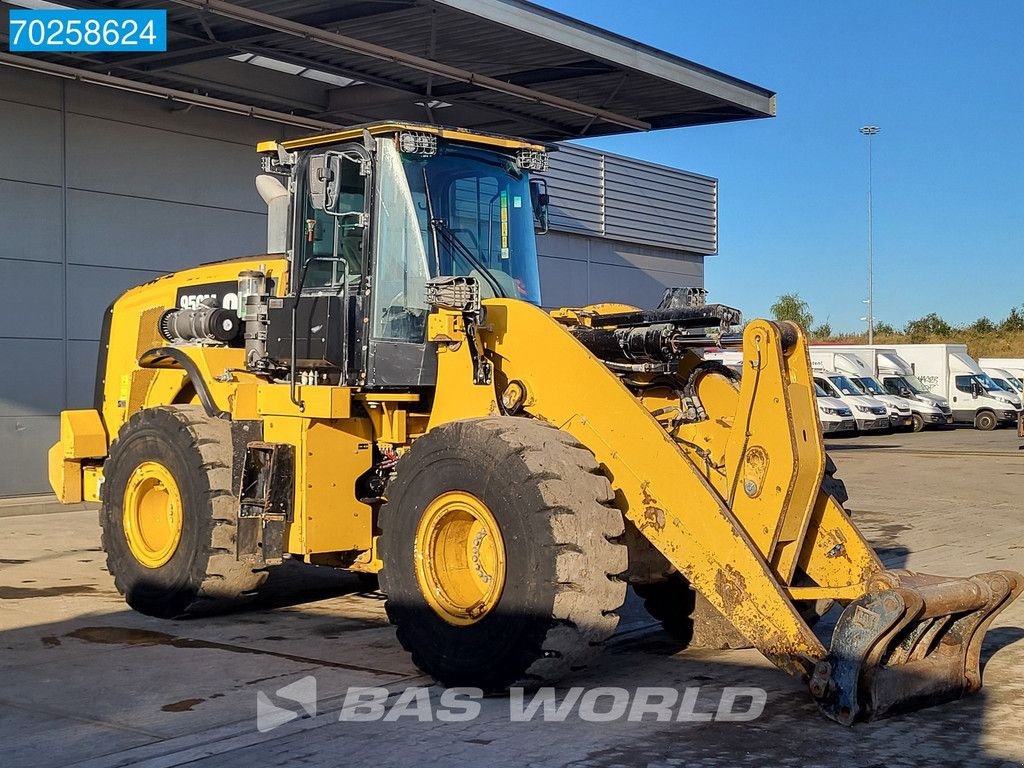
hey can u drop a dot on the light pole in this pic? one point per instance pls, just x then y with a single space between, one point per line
870 131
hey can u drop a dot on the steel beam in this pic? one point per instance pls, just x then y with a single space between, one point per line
183 97
372 50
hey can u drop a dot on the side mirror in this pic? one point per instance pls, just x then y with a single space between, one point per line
326 172
977 389
905 392
319 180
541 205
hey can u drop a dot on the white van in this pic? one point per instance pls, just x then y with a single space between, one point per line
835 416
857 370
947 370
885 367
871 415
1005 380
1014 365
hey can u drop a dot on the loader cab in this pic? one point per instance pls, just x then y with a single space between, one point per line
375 217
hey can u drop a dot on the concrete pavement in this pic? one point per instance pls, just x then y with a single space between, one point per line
85 681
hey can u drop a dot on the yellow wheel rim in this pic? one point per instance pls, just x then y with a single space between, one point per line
460 558
152 514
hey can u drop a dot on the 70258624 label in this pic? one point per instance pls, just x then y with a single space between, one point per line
37 31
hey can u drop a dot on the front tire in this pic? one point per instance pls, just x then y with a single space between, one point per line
985 421
501 557
168 514
917 423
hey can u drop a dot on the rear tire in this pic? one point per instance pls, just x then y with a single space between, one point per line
551 511
985 421
201 573
694 623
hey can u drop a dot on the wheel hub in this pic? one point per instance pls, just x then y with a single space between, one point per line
460 558
152 514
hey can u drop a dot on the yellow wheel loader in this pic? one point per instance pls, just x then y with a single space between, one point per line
381 392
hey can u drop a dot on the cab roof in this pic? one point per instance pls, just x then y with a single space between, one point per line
355 132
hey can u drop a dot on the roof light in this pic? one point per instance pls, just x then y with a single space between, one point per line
276 64
327 77
532 160
268 62
433 104
417 143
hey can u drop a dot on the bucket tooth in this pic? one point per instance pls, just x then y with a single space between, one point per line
911 641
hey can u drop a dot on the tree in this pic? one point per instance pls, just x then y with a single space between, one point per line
982 325
884 329
823 331
789 306
929 325
1013 321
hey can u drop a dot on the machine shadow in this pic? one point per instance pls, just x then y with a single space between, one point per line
294 583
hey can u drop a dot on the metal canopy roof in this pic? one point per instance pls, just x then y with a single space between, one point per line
504 66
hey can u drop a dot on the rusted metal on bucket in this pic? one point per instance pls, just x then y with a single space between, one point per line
911 641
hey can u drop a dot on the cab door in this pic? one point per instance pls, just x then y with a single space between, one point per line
399 355
330 267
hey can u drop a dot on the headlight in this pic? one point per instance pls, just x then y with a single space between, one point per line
829 411
863 408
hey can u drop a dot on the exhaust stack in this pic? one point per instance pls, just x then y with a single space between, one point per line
275 195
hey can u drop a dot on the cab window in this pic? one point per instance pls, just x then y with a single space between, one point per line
965 384
325 234
401 275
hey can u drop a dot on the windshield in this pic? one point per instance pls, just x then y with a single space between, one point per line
987 382
827 387
844 385
1004 385
915 385
483 218
869 385
895 385
1015 382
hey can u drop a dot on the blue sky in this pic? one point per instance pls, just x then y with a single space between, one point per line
943 80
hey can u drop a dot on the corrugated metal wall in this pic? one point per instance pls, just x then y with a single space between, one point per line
99 191
576 271
102 190
630 200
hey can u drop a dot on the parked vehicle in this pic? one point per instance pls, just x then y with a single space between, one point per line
835 416
871 415
889 370
1014 365
1006 380
897 376
860 373
947 370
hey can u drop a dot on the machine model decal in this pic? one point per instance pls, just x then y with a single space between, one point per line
224 294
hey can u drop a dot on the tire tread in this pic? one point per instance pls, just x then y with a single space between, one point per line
589 558
224 581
